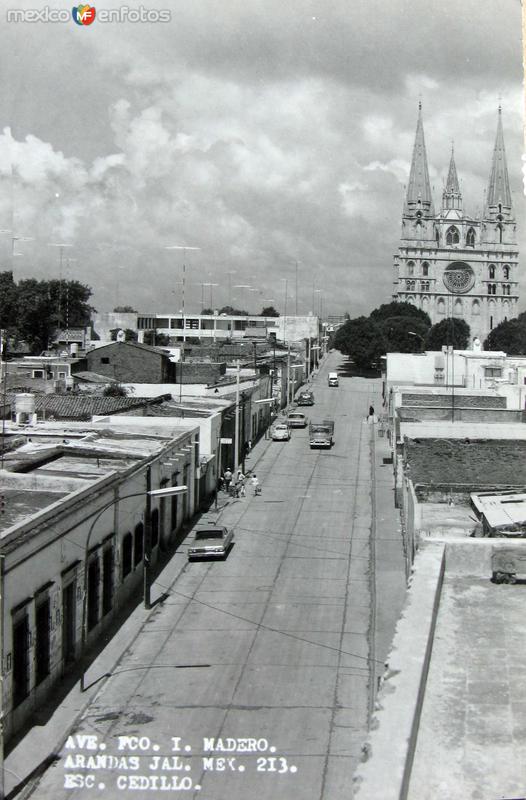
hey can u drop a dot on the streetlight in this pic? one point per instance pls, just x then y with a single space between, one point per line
417 335
148 493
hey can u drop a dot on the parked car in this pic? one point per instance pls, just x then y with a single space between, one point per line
211 543
296 419
306 398
281 433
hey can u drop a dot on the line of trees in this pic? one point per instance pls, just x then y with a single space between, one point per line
400 328
33 311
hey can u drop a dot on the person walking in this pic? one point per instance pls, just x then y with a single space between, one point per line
240 484
254 482
227 475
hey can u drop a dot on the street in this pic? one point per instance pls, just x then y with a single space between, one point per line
253 677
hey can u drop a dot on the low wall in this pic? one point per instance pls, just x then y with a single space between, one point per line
394 729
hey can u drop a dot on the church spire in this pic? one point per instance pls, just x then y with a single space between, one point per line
451 196
498 198
419 197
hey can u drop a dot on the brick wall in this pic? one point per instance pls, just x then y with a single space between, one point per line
199 372
410 414
473 462
464 400
130 364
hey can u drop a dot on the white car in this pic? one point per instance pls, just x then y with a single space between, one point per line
281 433
211 543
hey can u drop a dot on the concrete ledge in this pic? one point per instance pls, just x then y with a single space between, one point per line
394 729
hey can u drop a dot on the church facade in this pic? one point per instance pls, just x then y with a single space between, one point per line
450 264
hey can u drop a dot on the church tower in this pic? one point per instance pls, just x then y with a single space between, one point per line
451 264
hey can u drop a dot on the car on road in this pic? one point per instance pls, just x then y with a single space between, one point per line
306 398
281 432
212 542
296 419
333 379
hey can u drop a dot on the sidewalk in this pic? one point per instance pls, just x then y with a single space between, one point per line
44 740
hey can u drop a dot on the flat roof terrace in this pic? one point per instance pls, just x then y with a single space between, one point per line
22 503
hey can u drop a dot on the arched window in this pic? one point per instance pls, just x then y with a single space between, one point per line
410 268
452 235
155 527
424 286
127 547
475 308
441 306
470 238
410 286
437 236
492 288
138 549
425 268
491 271
506 272
499 233
457 309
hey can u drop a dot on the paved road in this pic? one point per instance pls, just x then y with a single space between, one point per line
271 645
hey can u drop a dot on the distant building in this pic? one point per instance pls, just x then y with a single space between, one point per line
451 264
214 327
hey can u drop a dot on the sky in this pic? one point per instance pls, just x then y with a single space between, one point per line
275 137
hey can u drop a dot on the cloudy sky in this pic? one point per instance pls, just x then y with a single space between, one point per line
262 132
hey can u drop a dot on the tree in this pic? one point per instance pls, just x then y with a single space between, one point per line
509 337
404 334
361 339
8 302
450 331
208 312
124 310
129 335
156 339
269 311
395 309
233 312
115 390
43 307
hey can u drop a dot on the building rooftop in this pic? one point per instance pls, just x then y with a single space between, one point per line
83 407
503 510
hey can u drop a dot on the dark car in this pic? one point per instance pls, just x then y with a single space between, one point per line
306 399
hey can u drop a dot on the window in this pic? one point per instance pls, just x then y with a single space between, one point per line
93 592
38 373
470 238
492 288
493 372
441 306
410 286
176 323
506 272
439 374
105 360
107 580
424 285
138 548
452 235
410 268
42 633
499 233
127 548
491 271
20 658
475 309
425 268
437 236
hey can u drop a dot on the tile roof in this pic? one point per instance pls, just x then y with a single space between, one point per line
82 407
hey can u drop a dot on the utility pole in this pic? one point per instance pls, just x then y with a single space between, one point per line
236 432
147 540
288 375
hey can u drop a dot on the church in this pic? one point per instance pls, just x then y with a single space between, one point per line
450 264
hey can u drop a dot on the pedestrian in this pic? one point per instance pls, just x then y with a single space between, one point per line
254 482
227 475
240 484
371 411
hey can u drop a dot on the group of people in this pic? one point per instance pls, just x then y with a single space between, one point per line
235 484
